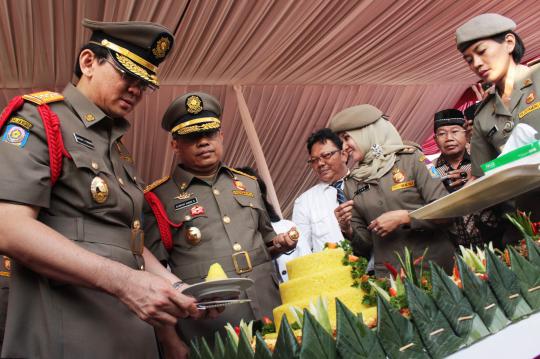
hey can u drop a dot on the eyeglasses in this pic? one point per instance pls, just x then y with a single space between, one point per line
324 156
130 79
444 134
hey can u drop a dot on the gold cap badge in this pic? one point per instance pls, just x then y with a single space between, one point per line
162 47
194 104
99 190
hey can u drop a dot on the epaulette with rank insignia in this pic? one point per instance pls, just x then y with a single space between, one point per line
156 184
40 98
242 173
482 103
408 150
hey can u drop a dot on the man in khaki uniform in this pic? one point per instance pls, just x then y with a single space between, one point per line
515 97
71 207
215 214
390 180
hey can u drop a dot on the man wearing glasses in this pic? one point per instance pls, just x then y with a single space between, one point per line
71 207
454 166
313 211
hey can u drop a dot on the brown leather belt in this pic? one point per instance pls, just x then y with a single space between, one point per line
85 230
239 263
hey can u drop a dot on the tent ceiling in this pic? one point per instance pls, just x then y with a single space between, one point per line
298 63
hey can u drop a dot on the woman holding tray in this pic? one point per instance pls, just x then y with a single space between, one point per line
493 52
389 180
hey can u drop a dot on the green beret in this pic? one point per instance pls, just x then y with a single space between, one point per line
355 117
194 112
136 47
481 27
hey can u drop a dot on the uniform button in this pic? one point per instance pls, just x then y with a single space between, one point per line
121 181
134 178
187 218
251 204
237 247
136 224
216 191
226 219
380 203
95 165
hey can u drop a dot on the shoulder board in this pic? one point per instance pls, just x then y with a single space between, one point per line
533 62
242 173
408 150
43 97
156 184
482 103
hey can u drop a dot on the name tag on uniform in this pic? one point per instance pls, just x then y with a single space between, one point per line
243 193
362 189
403 185
491 132
189 202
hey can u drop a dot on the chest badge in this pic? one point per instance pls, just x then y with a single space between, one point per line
193 236
508 126
397 175
530 98
99 190
184 195
239 185
197 210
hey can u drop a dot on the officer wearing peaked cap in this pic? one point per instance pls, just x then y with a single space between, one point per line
389 180
493 51
212 214
71 206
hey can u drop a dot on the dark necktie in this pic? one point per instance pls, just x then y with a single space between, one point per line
340 194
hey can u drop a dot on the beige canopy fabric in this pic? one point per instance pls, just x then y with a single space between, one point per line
294 62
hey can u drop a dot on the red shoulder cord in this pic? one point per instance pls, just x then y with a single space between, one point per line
52 132
163 222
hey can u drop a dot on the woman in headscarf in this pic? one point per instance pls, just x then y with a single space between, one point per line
389 180
493 52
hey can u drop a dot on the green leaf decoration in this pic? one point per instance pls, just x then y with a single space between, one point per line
456 307
529 278
261 350
244 346
195 352
534 251
354 339
206 353
505 285
437 335
231 346
482 299
316 341
219 347
286 345
397 334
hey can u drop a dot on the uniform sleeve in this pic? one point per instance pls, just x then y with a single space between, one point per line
24 157
152 237
300 216
361 240
431 189
481 151
265 225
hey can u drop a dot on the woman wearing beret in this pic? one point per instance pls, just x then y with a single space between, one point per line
493 52
389 180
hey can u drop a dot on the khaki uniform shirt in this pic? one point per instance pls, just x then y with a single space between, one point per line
494 123
230 214
409 186
46 318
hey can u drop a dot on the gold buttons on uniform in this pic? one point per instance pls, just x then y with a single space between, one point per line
121 181
216 191
187 218
89 117
136 224
237 247
226 219
251 204
95 165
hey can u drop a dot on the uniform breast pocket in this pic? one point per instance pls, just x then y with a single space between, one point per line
91 182
250 210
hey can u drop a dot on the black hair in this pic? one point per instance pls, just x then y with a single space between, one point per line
99 51
519 49
323 135
274 217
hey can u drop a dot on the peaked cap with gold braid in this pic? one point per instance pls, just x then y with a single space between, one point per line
192 113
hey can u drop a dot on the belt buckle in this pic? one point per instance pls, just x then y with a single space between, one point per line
237 268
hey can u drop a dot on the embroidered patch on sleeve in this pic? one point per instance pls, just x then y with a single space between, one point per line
16 135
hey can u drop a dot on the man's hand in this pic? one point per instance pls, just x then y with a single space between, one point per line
388 222
154 300
458 177
343 214
283 242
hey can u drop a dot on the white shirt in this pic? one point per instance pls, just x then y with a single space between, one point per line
314 216
281 227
